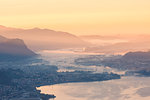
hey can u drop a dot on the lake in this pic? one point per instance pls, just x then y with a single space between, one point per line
127 88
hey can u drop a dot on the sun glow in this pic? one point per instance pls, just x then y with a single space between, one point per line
80 17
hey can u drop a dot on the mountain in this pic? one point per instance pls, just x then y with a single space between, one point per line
131 61
137 55
122 47
117 43
43 39
14 47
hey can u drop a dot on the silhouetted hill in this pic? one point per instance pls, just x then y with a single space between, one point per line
130 61
42 39
14 47
137 55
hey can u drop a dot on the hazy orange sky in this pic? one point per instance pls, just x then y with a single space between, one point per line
80 17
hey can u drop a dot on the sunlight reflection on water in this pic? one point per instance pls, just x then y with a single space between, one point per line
127 88
64 60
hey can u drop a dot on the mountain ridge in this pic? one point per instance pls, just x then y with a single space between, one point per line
14 47
44 39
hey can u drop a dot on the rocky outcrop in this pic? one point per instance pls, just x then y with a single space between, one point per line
14 47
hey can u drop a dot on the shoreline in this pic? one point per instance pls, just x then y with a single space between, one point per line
52 96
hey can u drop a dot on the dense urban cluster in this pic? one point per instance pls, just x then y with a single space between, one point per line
19 79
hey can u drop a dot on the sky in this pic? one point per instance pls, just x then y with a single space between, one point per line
80 17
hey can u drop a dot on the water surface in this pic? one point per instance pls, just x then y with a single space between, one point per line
127 88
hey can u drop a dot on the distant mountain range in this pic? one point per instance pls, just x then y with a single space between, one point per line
117 43
131 61
43 39
122 47
14 47
137 55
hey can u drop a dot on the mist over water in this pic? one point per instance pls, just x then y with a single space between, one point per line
65 61
127 88
81 49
